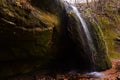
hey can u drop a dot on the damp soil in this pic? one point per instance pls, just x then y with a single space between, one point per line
110 74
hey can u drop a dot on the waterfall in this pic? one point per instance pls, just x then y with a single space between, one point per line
84 25
87 33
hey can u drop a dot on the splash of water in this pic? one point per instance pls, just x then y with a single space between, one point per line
95 75
77 1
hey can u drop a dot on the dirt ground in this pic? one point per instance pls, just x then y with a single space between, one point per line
110 74
114 72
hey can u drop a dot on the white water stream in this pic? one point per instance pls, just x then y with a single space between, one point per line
87 34
89 42
89 39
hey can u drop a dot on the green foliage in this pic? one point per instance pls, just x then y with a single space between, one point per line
114 55
109 25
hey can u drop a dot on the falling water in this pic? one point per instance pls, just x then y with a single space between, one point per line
87 33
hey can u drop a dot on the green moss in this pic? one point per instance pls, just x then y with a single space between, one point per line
114 55
101 49
109 25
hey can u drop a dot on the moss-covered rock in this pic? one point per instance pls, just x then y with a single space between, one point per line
25 37
101 54
99 57
74 49
41 33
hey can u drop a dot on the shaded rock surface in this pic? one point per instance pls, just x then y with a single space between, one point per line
25 37
33 36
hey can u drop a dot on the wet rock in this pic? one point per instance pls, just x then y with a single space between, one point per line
32 37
